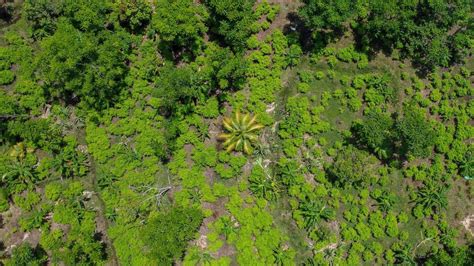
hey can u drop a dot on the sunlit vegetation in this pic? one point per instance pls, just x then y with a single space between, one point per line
236 132
241 132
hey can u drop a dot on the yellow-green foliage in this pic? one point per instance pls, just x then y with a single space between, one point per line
241 132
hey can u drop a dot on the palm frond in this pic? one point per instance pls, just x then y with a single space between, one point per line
240 132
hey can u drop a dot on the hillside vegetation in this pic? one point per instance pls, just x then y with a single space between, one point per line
236 132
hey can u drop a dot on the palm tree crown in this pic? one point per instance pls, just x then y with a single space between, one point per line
241 132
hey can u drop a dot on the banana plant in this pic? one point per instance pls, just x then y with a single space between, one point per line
241 132
20 172
314 212
433 196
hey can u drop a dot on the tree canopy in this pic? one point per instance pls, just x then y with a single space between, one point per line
166 234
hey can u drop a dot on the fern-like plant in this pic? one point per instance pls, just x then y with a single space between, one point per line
241 132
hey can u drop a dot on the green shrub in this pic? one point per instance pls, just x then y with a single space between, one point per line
319 75
303 87
53 191
4 205
166 234
305 76
345 54
253 42
363 61
6 77
435 95
27 201
332 61
358 82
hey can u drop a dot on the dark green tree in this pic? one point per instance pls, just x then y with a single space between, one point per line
77 66
228 68
180 24
459 256
178 85
322 15
415 132
375 132
167 234
231 20
84 15
352 166
422 30
43 15
133 15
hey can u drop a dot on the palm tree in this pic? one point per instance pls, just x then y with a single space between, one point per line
20 170
70 163
241 132
195 195
467 166
313 212
289 173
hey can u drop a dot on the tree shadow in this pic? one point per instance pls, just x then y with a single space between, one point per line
296 30
6 13
372 47
310 41
100 237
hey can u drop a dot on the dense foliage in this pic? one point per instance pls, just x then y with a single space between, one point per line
432 33
236 132
167 234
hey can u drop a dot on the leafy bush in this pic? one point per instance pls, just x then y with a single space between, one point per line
167 233
415 132
375 132
53 191
352 166
6 77
24 254
27 201
303 87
